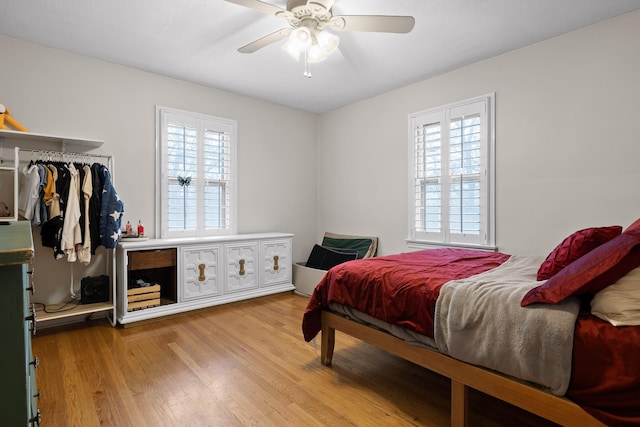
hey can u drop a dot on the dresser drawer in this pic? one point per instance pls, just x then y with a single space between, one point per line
158 258
241 263
276 262
201 267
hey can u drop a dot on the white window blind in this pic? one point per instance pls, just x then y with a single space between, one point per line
197 174
451 181
465 175
217 179
427 185
181 169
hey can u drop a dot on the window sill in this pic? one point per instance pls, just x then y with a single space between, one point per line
426 244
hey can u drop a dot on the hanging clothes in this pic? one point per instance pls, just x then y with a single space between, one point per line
71 234
111 211
84 251
41 209
77 206
81 222
51 197
95 205
62 185
49 187
51 231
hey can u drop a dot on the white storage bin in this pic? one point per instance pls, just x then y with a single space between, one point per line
305 279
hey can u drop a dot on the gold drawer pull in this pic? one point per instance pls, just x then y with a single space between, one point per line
275 262
201 277
241 272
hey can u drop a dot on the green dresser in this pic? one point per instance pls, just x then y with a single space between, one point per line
18 395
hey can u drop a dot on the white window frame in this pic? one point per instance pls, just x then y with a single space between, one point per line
201 122
485 239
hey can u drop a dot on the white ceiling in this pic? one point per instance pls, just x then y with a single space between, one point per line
197 40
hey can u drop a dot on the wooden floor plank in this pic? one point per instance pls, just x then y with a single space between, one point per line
235 365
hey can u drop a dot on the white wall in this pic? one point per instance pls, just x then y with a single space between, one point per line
59 93
567 142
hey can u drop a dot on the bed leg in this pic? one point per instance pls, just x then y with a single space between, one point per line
459 404
327 345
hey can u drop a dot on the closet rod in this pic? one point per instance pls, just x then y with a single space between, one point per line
63 154
68 156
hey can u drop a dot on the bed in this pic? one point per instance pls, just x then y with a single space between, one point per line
527 330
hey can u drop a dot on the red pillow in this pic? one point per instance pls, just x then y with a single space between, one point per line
573 247
634 226
592 272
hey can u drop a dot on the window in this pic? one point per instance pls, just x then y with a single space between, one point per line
197 185
452 178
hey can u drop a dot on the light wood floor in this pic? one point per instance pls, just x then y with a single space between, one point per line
240 364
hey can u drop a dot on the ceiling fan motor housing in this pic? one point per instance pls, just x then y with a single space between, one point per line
311 4
311 14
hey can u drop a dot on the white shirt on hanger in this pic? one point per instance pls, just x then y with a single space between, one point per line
29 191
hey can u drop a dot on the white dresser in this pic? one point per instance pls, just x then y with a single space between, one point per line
159 277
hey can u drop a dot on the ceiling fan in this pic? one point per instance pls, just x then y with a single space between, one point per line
308 20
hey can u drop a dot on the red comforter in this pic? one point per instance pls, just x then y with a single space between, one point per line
401 296
605 380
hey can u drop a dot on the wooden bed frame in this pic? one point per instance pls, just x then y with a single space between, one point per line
462 375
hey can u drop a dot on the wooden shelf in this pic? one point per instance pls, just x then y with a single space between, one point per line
80 309
39 137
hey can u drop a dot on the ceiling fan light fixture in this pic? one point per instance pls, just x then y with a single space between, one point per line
315 55
292 51
326 44
315 45
301 39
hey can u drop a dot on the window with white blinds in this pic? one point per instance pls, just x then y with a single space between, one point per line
451 182
197 179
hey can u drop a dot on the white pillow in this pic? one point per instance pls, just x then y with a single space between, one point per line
619 303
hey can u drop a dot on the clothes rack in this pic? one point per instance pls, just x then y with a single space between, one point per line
25 154
67 156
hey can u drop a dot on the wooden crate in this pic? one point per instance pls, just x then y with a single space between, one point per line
145 297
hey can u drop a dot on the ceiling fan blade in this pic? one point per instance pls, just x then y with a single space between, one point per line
373 23
259 5
265 41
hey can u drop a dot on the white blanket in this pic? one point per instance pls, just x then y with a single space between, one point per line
479 321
